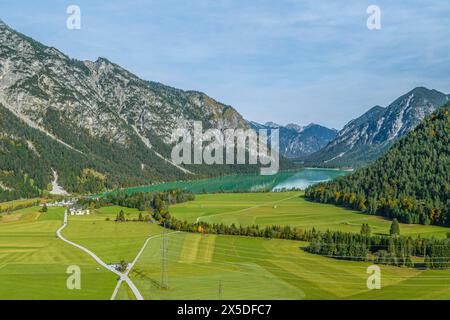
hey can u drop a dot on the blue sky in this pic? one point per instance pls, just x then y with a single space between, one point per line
283 61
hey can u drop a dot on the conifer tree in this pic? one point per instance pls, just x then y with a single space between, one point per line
395 228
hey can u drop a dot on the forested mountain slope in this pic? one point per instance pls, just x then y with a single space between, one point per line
411 182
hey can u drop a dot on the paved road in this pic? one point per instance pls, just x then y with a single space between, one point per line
122 276
131 265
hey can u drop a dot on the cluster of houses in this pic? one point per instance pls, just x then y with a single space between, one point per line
62 203
77 211
70 205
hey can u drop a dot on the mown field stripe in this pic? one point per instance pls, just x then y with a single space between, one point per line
249 208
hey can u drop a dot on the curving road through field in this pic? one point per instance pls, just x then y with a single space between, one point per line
122 276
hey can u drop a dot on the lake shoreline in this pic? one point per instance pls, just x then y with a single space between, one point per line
284 180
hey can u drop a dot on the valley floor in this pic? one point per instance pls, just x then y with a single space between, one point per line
288 208
33 261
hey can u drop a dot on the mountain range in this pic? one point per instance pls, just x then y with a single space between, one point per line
92 124
86 126
364 139
297 141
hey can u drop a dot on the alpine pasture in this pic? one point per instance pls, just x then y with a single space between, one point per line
33 261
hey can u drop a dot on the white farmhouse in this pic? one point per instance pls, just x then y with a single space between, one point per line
79 212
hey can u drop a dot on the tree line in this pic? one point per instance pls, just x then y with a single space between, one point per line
14 207
156 202
393 250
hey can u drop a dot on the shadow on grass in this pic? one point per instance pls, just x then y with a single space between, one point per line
139 274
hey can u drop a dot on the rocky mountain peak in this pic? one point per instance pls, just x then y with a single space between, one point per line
98 110
271 124
295 127
365 138
297 141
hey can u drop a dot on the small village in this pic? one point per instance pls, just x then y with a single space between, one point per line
62 203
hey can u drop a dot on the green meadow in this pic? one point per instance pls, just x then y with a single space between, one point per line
111 241
33 261
287 208
228 267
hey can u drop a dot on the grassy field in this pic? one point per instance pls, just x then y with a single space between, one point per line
287 208
111 241
251 268
33 261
